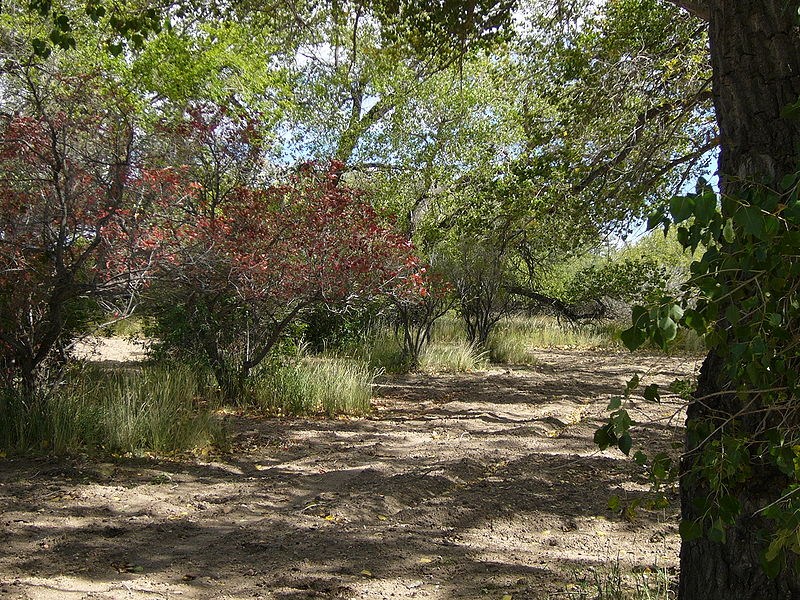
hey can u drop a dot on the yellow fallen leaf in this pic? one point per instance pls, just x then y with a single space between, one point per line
381 518
425 561
601 533
262 467
328 517
506 597
365 573
546 532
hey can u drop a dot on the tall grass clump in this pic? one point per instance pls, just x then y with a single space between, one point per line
448 330
329 386
156 409
382 351
548 332
150 409
511 344
455 357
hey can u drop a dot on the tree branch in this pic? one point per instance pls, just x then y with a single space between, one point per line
633 139
698 8
557 305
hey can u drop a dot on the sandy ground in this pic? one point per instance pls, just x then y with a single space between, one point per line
473 486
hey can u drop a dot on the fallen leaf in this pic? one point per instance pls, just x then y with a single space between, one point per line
189 577
381 518
128 567
425 561
262 467
506 597
365 573
328 517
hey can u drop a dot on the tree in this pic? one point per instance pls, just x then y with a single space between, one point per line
78 203
239 276
739 473
416 304
755 56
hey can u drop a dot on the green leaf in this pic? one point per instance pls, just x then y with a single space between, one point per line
690 530
639 316
788 181
621 421
614 404
614 503
695 320
775 549
63 23
625 443
729 508
668 327
716 532
681 208
40 48
633 338
683 237
640 458
705 208
655 220
604 436
772 568
651 393
750 219
675 312
633 383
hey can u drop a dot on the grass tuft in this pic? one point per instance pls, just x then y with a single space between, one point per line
455 357
609 582
329 386
151 409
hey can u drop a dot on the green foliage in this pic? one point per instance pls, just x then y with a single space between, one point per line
123 24
629 279
743 298
446 31
324 329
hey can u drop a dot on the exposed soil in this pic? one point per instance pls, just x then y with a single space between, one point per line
475 486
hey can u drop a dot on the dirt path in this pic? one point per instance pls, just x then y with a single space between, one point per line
470 486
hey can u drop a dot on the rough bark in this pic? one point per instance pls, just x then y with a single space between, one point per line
755 56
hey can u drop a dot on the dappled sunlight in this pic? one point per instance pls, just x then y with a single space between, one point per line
468 485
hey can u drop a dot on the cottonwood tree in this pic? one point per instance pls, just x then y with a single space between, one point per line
738 474
755 56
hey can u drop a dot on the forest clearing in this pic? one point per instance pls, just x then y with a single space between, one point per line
477 485
361 275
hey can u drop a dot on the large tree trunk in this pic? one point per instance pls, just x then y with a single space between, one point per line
755 56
